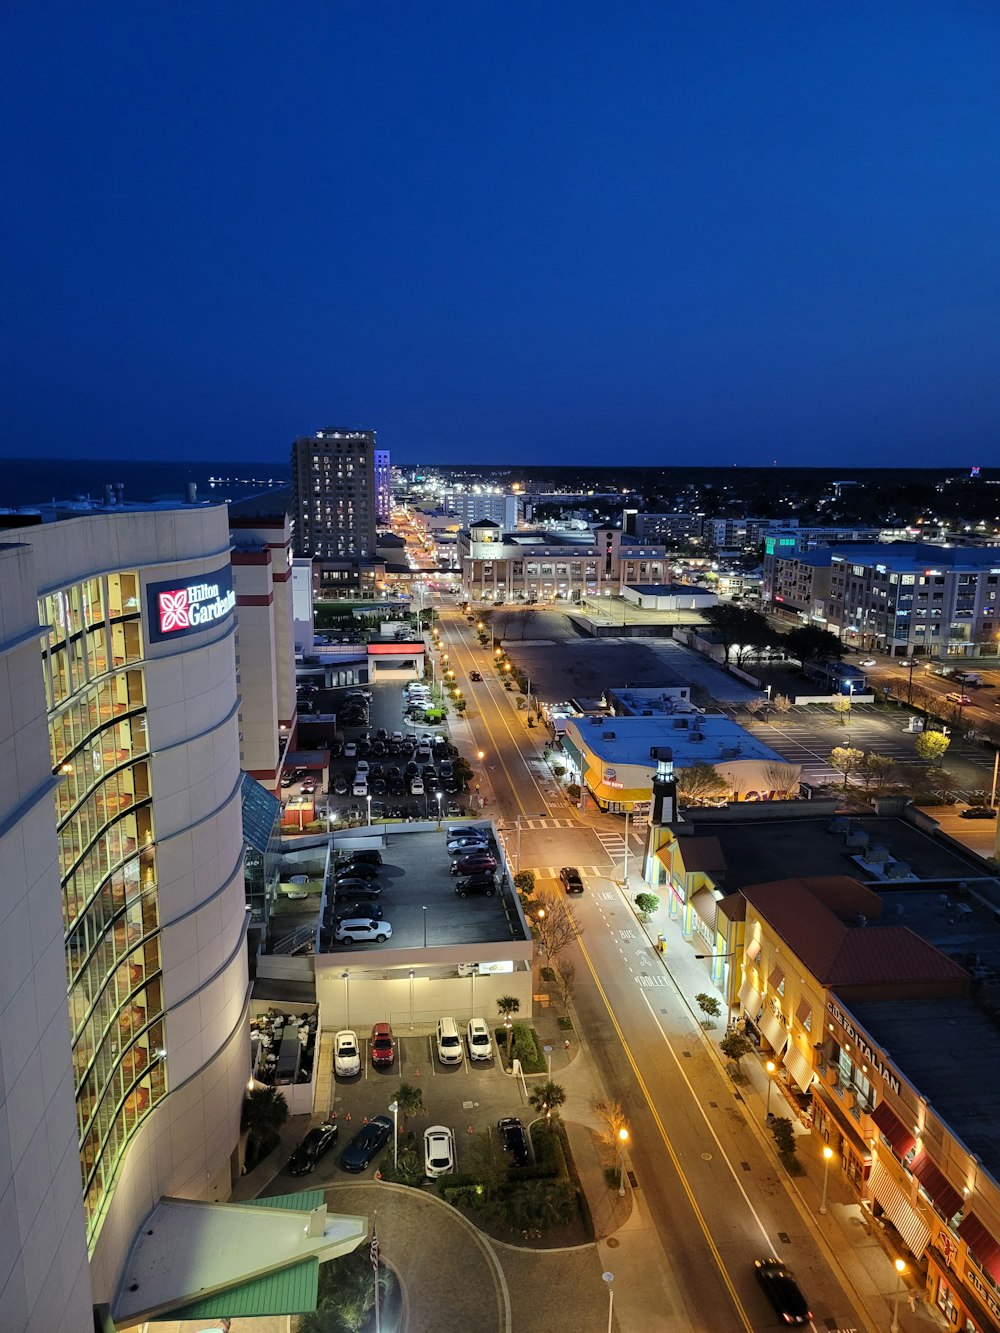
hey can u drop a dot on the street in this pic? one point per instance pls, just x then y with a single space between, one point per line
709 1180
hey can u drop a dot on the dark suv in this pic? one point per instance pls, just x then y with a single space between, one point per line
476 864
481 883
514 1139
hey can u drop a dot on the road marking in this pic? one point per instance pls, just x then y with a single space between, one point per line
671 1152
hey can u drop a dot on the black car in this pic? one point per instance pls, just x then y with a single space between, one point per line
978 812
514 1139
339 785
782 1291
316 1144
367 855
355 870
357 888
571 880
366 1145
484 884
346 910
475 675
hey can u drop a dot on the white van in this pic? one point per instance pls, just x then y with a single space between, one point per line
449 1042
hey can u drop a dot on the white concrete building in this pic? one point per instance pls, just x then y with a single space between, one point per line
121 893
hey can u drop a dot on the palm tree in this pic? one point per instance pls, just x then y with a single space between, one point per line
410 1100
547 1097
509 1005
265 1110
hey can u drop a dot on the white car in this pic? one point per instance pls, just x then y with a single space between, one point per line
417 787
361 766
439 1151
469 843
362 929
479 1040
346 1054
350 750
360 787
868 662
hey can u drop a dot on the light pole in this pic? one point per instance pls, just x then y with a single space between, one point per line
345 978
622 1140
625 866
369 800
394 1108
440 796
424 910
770 1067
900 1267
609 1279
827 1154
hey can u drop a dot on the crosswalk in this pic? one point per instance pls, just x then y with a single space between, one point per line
552 872
554 822
612 842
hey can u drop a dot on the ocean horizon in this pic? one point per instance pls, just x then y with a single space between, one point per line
33 481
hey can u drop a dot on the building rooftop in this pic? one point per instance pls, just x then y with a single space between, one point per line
948 1049
921 555
693 739
851 952
640 702
668 589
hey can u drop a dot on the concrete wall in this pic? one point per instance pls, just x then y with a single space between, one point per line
368 997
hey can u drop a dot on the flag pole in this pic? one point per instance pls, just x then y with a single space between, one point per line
373 1251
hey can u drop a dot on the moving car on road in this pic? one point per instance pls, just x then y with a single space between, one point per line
962 699
782 1291
366 1145
571 881
315 1145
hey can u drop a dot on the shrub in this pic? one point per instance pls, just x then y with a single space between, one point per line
647 903
573 791
524 881
528 1050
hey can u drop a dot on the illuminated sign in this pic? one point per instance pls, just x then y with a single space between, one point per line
175 609
872 1057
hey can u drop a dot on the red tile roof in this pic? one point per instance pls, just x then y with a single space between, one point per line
839 954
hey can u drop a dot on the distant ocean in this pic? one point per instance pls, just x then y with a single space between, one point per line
28 481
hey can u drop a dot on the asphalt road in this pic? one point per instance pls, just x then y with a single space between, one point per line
711 1186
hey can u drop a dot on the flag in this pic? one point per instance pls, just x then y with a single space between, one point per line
373 1248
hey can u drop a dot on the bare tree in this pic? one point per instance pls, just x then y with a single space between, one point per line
782 778
554 928
612 1118
754 707
781 704
876 770
565 982
700 782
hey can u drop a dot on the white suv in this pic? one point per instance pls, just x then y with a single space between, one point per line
346 1055
358 929
479 1040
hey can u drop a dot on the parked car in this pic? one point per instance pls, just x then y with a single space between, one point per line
286 780
350 750
473 884
439 1151
383 1045
416 786
514 1139
316 1144
360 787
361 769
355 909
449 1043
782 1291
370 855
475 864
360 930
479 1041
458 846
340 785
346 1056
571 881
978 812
355 870
366 1145
356 886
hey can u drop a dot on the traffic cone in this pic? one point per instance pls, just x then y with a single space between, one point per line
333 1115
347 1115
470 1130
416 1073
365 1121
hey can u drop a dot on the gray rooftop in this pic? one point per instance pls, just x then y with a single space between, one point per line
949 1049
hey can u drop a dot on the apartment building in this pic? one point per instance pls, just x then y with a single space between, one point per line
671 528
916 599
123 985
334 495
383 487
797 581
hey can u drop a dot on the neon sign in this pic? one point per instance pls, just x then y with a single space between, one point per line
175 609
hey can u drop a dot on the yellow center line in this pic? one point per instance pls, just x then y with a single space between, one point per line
734 1296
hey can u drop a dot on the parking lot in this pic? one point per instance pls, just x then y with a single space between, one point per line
469 1098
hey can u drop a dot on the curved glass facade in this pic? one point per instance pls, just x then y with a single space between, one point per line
95 695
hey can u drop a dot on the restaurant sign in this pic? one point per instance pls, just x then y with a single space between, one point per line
869 1053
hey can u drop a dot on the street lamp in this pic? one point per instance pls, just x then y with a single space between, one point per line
394 1108
424 910
900 1267
770 1067
440 796
609 1279
622 1140
369 800
827 1154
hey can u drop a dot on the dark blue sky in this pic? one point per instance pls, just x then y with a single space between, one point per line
650 232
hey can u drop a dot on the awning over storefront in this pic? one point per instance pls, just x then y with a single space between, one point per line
749 998
799 1066
753 951
983 1245
706 905
898 1209
892 1127
773 1030
946 1198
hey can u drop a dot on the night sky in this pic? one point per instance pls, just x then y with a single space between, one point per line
572 232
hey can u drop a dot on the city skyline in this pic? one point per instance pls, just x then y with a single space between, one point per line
675 234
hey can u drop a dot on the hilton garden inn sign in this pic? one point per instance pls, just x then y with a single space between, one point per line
175 608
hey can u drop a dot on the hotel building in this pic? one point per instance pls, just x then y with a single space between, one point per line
123 976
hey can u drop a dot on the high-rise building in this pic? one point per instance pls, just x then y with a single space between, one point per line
123 971
333 488
383 487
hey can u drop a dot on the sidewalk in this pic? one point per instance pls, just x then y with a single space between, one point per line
845 1235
